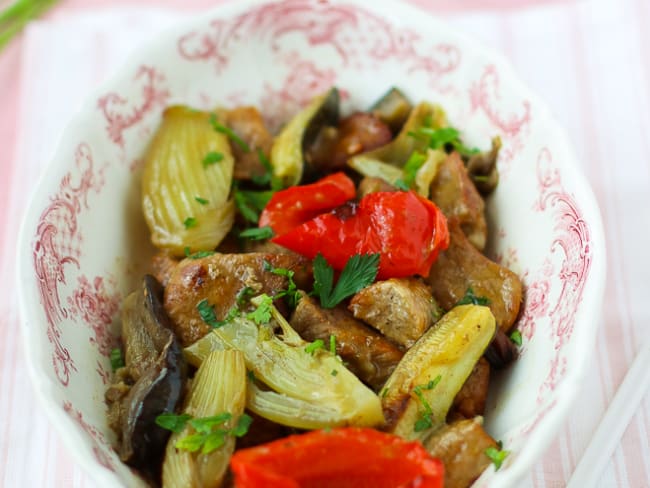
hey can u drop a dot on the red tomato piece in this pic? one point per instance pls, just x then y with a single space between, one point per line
297 204
340 458
407 230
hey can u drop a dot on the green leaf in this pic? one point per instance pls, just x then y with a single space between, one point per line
213 441
251 203
229 133
401 184
206 311
173 422
258 233
314 346
333 345
292 294
202 201
323 277
413 164
213 157
191 443
497 456
516 338
359 272
244 294
205 425
262 314
243 423
117 360
425 421
471 298
334 372
190 222
198 254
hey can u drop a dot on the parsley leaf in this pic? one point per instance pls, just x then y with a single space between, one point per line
262 314
471 298
251 203
334 372
314 346
258 233
117 360
413 164
496 455
426 417
516 338
204 425
197 254
213 157
244 294
202 201
243 423
190 222
401 184
442 138
229 133
173 422
206 311
333 345
358 272
291 293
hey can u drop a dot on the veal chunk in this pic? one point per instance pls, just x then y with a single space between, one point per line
219 278
247 123
400 308
461 267
461 447
454 192
163 264
470 400
366 353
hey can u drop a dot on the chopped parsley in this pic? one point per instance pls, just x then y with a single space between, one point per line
209 432
413 164
251 375
497 455
471 298
315 346
359 272
213 157
258 233
516 338
251 203
202 201
333 345
425 421
334 372
206 311
197 254
117 360
244 294
267 178
443 138
229 133
291 293
262 314
190 222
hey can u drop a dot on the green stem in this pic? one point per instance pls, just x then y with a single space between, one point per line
14 18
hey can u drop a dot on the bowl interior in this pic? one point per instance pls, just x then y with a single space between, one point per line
85 244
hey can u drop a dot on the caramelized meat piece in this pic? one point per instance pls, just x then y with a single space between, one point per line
461 267
470 400
366 352
357 133
163 265
400 308
247 123
461 447
372 184
454 192
219 279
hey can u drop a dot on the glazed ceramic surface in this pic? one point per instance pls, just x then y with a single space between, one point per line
84 243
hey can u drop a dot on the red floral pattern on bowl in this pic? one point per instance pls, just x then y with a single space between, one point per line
82 242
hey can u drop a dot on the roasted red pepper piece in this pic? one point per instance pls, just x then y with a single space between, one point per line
341 458
407 230
291 207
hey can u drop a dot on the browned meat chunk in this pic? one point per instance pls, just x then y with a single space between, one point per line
219 279
365 352
400 308
372 184
461 447
163 265
247 123
356 133
461 267
470 400
453 191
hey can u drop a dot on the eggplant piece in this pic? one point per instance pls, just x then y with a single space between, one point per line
419 393
287 152
482 168
393 109
155 364
461 447
453 191
389 160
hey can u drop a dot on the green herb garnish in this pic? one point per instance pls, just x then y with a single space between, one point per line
190 222
359 272
516 338
314 346
471 298
229 133
258 233
442 138
426 417
206 311
251 203
291 293
117 360
173 422
197 254
413 164
497 455
262 314
202 201
267 178
17 15
213 157
334 372
333 345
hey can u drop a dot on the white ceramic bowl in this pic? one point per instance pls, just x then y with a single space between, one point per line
84 241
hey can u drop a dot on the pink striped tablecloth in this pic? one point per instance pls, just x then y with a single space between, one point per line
589 59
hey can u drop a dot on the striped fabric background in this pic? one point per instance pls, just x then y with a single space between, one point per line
589 59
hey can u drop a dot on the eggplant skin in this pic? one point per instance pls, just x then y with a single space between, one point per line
158 388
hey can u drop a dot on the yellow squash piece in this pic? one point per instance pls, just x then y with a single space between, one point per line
185 202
